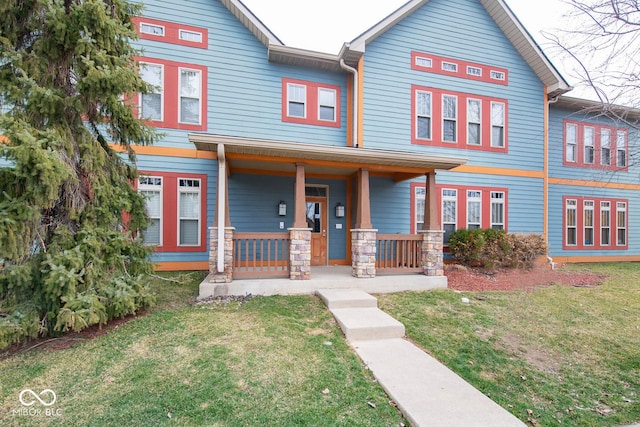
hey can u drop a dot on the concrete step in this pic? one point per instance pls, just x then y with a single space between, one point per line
361 324
346 298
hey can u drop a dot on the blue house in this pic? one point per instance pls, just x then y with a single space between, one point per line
444 115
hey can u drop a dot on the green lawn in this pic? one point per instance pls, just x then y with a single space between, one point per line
277 361
558 356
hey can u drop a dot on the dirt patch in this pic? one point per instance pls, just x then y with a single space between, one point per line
480 280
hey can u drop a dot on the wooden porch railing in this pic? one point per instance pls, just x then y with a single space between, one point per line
398 253
258 255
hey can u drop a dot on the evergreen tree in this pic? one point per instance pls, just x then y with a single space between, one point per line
69 216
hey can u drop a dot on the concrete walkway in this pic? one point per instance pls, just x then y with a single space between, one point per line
427 392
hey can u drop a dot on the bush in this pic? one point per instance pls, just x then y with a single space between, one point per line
496 248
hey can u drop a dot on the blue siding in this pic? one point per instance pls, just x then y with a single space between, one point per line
460 29
389 205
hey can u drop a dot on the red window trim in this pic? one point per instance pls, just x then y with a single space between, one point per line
436 68
171 98
311 103
613 224
461 129
171 32
170 210
597 129
461 200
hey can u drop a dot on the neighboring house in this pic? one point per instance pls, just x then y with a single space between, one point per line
444 115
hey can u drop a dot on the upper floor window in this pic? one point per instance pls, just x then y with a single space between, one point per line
605 147
151 105
190 36
589 223
589 145
474 122
156 30
310 103
459 68
423 62
595 146
450 66
621 148
449 118
423 112
474 71
571 140
497 124
170 32
190 94
497 75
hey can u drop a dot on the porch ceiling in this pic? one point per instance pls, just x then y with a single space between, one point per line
281 156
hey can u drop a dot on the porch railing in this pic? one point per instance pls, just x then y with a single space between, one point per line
398 253
260 255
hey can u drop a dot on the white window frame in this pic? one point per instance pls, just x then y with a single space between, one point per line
479 122
621 141
420 194
180 96
182 35
497 199
189 190
588 206
474 71
149 25
503 125
334 106
423 61
474 196
497 75
589 144
428 115
450 195
605 146
571 143
621 207
161 92
297 101
453 119
605 207
159 188
448 64
571 204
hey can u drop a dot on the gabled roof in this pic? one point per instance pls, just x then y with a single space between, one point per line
503 17
249 20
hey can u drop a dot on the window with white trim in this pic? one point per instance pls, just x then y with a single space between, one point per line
424 62
449 118
621 223
189 212
605 223
449 66
190 92
449 212
589 145
155 30
151 188
296 100
474 209
605 147
420 196
423 113
621 148
571 142
474 121
474 71
151 104
190 36
497 75
497 124
326 104
572 222
588 222
497 210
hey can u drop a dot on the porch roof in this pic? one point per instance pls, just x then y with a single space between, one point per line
247 154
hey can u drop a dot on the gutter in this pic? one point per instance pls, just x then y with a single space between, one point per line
353 71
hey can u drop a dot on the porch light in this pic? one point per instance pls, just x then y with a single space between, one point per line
339 210
282 208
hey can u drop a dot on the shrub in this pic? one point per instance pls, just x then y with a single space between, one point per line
496 248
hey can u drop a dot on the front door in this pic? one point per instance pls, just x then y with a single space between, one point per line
317 222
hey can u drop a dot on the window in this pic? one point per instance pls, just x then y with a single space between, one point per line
572 222
621 148
449 212
589 145
605 223
497 210
423 62
621 223
605 147
474 209
151 188
189 212
571 142
497 124
190 91
420 195
474 122
310 103
327 104
588 222
474 71
191 36
497 75
156 30
449 66
151 104
171 32
449 118
456 67
423 108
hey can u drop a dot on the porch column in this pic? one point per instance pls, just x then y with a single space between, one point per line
221 240
432 259
300 234
363 236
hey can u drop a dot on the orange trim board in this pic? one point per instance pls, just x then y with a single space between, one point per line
499 171
583 183
168 151
577 259
180 266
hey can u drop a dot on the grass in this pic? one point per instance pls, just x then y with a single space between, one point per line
556 356
266 361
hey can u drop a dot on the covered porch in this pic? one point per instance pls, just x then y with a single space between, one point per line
323 206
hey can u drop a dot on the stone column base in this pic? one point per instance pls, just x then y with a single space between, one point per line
363 252
225 276
300 253
432 258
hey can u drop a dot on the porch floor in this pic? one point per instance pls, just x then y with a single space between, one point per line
336 277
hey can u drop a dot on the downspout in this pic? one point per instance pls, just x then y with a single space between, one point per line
222 186
353 71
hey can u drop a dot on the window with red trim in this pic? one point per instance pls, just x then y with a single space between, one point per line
176 206
171 32
462 207
310 103
594 223
179 100
445 118
591 145
429 63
